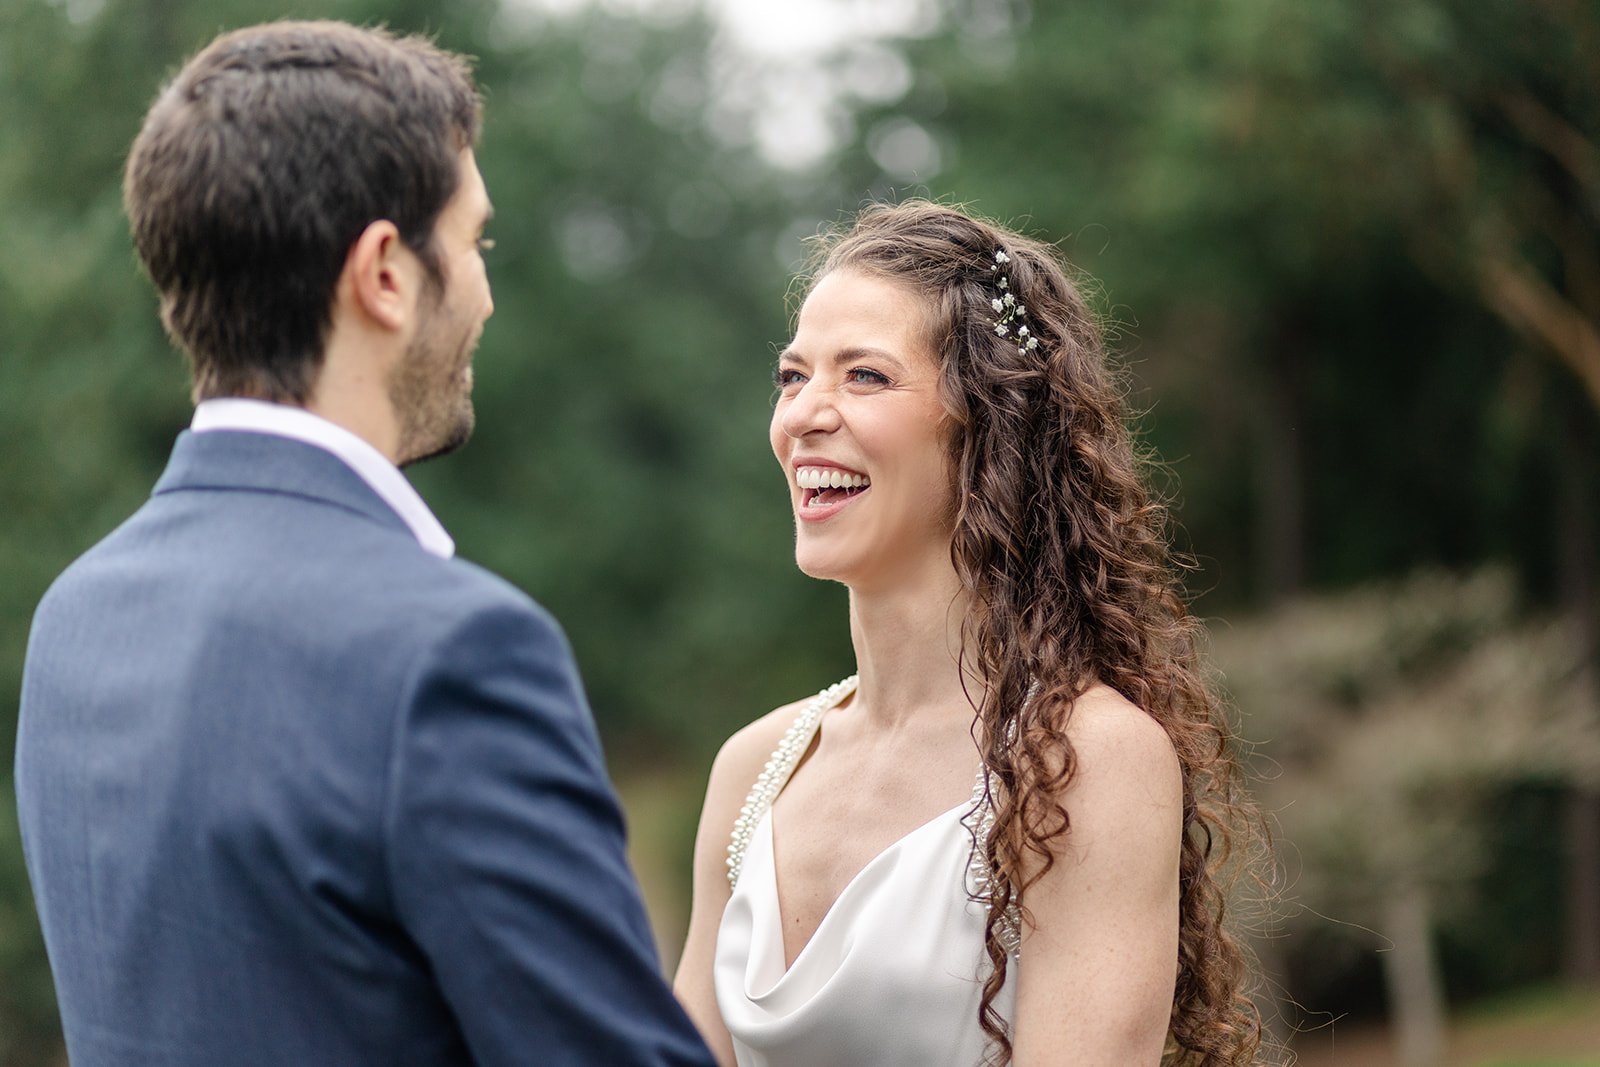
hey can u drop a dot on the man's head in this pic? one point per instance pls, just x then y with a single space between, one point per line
261 167
429 387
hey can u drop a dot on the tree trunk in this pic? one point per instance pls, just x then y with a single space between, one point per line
1582 962
1577 534
1411 976
1280 468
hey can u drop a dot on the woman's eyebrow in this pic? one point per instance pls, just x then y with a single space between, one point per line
872 355
847 355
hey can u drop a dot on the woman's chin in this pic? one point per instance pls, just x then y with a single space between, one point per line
824 566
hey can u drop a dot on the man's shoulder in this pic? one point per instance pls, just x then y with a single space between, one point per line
457 616
466 591
347 577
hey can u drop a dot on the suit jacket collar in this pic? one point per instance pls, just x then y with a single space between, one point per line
266 463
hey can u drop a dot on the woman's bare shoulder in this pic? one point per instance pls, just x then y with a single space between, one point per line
742 756
1120 748
1102 716
1125 802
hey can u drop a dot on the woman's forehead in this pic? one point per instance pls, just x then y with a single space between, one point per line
852 301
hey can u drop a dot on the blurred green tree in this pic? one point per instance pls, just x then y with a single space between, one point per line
1315 222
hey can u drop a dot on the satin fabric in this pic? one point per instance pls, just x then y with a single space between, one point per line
892 977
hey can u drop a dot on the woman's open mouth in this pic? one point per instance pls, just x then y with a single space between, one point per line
824 490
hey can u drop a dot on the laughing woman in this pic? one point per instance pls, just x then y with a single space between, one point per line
997 841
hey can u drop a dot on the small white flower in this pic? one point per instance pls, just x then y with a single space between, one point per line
997 305
1004 284
1010 300
1021 310
1033 342
1022 331
1000 328
1001 257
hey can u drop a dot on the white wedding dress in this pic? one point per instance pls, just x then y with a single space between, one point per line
894 974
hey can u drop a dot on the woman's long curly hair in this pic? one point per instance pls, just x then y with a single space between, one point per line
1065 553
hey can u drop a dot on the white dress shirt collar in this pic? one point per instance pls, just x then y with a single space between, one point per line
374 468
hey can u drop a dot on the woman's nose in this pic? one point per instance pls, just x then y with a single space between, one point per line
811 410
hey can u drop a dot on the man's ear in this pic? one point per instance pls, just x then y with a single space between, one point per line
381 277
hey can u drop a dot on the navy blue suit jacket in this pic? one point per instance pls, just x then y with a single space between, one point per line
296 793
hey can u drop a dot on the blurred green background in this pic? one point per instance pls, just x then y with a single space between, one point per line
1349 251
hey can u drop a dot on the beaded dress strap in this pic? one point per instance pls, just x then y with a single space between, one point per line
980 822
980 876
778 769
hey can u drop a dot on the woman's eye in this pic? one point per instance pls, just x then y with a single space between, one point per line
863 376
784 377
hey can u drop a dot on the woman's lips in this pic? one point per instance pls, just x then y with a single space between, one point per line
819 505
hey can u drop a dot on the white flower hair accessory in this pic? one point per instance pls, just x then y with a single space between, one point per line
1011 313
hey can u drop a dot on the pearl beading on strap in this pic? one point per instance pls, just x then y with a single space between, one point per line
980 876
778 769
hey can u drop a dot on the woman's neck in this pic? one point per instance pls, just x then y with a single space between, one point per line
907 641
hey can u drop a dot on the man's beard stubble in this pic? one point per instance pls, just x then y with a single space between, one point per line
431 388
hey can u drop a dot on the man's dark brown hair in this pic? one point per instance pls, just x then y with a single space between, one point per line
260 164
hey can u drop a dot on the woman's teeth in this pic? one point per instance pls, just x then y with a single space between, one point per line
829 478
827 485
